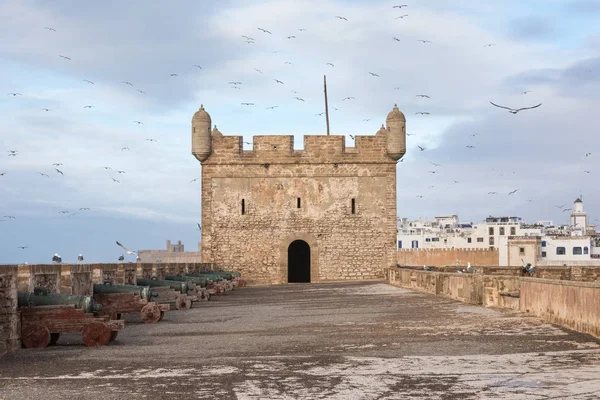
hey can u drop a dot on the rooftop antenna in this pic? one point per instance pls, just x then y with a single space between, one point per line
326 106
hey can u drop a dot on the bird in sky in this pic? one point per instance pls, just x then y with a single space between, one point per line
291 37
264 30
114 180
173 75
120 172
84 209
492 192
432 172
50 29
88 81
247 37
513 110
513 192
489 45
88 106
278 81
127 83
126 249
470 147
567 209
258 70
420 196
330 64
247 104
194 180
424 41
151 140
396 39
14 94
302 29
374 74
272 107
141 91
587 171
344 18
422 95
65 57
22 247
588 154
13 153
139 122
9 216
527 91
348 98
366 119
421 148
199 226
437 165
63 212
124 148
235 83
400 6
197 66
319 114
299 98
107 167
46 109
402 16
560 207
422 113
58 171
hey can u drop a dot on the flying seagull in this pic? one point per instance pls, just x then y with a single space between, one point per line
422 113
588 154
247 37
121 172
396 39
139 122
127 83
59 171
151 140
84 209
194 180
126 249
80 258
199 227
348 98
514 111
46 109
344 18
402 16
400 6
291 37
88 81
247 104
264 30
114 180
197 66
258 70
422 95
65 57
21 247
330 64
272 107
278 81
88 106
489 45
424 41
527 91
421 148
299 98
14 94
173 75
374 74
470 147
124 148
513 192
50 29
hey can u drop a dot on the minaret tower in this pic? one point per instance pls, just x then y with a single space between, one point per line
578 216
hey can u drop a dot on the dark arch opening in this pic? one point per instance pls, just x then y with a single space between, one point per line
298 262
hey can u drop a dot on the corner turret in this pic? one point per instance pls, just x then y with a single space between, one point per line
396 133
201 134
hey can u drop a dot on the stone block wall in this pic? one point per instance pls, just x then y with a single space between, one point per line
448 257
9 319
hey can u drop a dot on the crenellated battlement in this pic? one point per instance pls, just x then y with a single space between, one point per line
279 149
211 147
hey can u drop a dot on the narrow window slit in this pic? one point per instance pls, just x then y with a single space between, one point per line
243 206
353 206
299 202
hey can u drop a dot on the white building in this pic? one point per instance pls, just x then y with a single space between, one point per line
576 242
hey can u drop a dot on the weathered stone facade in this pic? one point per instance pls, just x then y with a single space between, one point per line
339 200
9 318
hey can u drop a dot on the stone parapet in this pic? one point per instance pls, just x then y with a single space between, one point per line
9 318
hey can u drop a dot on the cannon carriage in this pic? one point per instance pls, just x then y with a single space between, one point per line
45 316
196 284
122 299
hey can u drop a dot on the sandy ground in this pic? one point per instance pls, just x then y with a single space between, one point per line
326 341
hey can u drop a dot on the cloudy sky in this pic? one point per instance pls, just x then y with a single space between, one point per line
480 51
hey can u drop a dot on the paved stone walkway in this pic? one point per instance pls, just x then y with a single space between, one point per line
326 341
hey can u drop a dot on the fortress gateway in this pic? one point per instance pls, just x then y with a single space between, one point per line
280 215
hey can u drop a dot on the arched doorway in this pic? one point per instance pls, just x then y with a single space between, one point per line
298 262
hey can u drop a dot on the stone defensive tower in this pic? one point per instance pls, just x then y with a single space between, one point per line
279 215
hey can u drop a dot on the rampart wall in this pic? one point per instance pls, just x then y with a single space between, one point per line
571 304
448 257
9 318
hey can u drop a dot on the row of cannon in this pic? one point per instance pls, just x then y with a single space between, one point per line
99 317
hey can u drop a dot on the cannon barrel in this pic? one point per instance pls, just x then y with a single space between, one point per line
225 274
39 298
107 288
180 286
207 275
183 278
